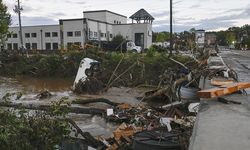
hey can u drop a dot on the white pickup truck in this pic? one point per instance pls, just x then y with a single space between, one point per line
132 47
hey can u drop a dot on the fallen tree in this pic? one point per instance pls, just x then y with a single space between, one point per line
97 100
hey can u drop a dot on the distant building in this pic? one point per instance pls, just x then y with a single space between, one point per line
200 38
101 25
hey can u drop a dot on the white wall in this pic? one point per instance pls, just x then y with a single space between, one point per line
111 18
40 38
143 28
95 15
129 30
124 29
104 25
106 16
73 26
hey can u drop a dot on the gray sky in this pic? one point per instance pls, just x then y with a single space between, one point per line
200 14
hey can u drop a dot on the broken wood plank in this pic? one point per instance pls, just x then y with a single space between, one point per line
221 81
223 90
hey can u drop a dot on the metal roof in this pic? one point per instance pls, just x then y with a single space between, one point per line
142 14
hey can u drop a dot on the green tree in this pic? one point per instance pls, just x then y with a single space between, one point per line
162 37
5 20
230 37
118 43
246 43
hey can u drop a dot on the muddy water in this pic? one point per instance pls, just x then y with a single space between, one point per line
30 87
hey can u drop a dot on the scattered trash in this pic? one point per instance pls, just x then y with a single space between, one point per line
166 122
110 112
194 107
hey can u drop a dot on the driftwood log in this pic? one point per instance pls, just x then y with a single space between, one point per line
98 100
91 141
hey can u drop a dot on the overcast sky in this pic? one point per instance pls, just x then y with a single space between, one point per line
200 14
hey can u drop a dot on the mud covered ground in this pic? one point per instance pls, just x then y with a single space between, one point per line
96 125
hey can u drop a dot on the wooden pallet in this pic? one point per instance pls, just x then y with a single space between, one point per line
223 90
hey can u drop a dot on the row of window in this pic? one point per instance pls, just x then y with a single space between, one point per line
55 34
29 46
50 46
13 46
33 35
95 35
76 33
117 22
14 35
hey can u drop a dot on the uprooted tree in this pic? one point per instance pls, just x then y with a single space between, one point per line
5 21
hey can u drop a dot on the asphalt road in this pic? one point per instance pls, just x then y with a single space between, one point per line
240 62
225 126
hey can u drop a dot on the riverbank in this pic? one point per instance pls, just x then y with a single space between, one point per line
141 68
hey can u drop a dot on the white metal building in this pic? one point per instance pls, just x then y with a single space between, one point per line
100 25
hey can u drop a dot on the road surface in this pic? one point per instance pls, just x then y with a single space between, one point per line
225 126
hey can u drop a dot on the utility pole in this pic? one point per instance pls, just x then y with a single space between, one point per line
171 28
18 10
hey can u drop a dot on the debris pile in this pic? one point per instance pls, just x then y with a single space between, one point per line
173 122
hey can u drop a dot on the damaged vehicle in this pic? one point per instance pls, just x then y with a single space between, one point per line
85 81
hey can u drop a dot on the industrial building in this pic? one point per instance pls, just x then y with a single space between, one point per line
101 25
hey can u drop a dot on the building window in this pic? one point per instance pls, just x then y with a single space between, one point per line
77 33
47 34
111 35
27 35
55 46
69 45
95 34
105 34
102 34
8 35
48 46
69 34
14 35
15 46
33 35
54 34
115 22
27 45
9 46
90 34
34 46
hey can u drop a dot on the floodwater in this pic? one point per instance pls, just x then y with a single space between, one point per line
96 125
